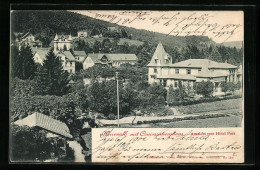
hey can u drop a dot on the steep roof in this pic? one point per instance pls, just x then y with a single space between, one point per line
25 35
42 52
45 122
80 53
161 55
199 63
67 54
113 57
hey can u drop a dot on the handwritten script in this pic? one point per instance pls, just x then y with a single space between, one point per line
165 145
178 23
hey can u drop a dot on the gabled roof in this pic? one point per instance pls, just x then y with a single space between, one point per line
112 57
80 53
67 54
161 55
25 35
199 63
42 52
45 122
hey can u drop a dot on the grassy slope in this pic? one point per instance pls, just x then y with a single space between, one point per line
212 106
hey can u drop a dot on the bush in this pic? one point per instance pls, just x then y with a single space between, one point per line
111 116
29 144
205 88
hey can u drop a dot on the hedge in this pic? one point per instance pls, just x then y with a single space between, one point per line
203 100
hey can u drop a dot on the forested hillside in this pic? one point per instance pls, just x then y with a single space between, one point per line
45 24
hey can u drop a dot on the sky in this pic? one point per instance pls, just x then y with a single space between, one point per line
220 26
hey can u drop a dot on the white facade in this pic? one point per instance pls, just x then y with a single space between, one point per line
88 62
62 41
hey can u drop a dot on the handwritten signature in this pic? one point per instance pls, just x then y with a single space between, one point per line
200 24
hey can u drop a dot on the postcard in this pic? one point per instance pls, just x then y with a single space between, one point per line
126 86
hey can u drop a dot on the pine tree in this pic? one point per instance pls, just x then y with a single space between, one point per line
52 79
215 55
15 66
25 66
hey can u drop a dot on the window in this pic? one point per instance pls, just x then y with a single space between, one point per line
167 61
164 83
188 71
70 70
70 63
176 71
175 84
155 60
155 70
199 70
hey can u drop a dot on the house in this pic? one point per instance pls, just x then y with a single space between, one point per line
67 59
62 42
28 39
82 34
188 72
114 60
80 56
116 29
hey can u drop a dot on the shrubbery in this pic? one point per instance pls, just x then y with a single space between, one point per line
205 88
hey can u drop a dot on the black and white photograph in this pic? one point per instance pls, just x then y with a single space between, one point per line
72 71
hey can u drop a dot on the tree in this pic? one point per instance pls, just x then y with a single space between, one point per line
52 79
23 65
15 61
171 96
227 87
29 144
205 88
215 55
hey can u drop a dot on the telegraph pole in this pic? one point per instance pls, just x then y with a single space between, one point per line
117 90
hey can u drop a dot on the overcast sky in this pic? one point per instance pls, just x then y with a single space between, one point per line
220 26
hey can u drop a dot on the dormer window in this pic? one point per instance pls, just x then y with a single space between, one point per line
188 71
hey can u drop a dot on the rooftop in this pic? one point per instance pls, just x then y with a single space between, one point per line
113 57
160 54
67 54
199 63
45 122
80 53
178 76
42 52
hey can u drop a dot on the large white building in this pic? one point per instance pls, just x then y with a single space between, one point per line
62 41
162 70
